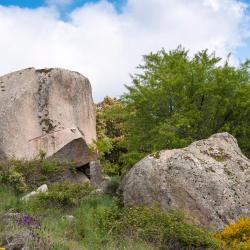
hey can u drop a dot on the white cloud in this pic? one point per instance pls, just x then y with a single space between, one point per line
106 46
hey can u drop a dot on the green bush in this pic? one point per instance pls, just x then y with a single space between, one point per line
14 179
164 230
112 185
110 168
48 167
37 172
64 194
88 219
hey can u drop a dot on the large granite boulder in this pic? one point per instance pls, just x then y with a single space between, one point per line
209 180
47 110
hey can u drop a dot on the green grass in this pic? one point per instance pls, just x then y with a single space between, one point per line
58 232
100 221
8 199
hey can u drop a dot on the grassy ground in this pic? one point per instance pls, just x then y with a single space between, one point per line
71 216
82 232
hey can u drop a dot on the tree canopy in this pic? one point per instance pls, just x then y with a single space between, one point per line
177 99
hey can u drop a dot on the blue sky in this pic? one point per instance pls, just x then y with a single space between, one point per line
105 39
74 4
244 51
38 3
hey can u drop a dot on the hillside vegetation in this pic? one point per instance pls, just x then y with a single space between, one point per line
174 100
74 217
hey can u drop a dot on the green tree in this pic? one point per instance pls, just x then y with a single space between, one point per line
110 134
177 99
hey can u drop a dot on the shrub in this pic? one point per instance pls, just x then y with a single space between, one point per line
65 194
110 168
89 216
48 167
14 179
236 236
166 230
112 185
37 172
107 217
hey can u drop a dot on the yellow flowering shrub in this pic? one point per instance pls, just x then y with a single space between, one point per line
236 236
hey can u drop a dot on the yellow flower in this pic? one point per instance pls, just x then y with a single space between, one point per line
236 236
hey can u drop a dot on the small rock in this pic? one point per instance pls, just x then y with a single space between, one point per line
41 189
99 191
107 178
69 218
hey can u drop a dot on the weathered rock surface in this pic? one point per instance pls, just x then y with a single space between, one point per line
209 180
96 174
48 110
